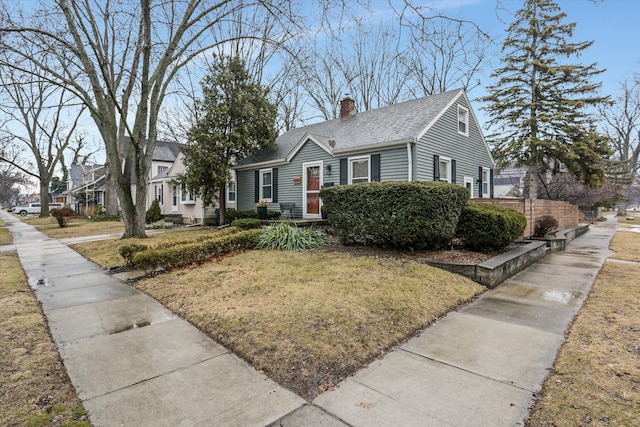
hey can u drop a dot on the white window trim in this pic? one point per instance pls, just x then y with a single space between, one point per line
233 179
261 174
469 180
351 160
466 122
186 198
448 161
486 195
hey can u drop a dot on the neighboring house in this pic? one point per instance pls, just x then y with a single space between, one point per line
509 182
85 186
164 155
432 138
177 200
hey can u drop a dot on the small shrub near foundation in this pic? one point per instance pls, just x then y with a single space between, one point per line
283 236
546 224
485 227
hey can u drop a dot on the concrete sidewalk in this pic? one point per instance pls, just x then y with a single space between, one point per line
134 363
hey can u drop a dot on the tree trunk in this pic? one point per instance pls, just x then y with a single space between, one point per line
111 196
222 202
622 208
44 199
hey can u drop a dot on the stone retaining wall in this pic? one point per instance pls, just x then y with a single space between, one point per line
496 270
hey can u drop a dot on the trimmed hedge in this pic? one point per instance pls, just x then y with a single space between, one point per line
189 253
128 251
246 223
230 216
395 214
202 238
485 227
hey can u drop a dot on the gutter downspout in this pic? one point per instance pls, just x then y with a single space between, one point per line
410 163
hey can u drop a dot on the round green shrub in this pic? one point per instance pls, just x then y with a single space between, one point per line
395 214
486 227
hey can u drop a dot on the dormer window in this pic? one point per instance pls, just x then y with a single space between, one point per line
463 121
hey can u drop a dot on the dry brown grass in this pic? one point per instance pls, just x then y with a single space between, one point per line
310 319
35 388
626 244
596 378
80 228
5 236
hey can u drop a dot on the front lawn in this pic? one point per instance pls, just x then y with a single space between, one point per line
310 319
307 319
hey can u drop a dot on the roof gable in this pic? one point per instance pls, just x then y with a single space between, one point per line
398 123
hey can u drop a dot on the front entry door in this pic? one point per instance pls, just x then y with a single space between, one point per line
312 173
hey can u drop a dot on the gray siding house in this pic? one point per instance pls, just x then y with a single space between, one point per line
433 138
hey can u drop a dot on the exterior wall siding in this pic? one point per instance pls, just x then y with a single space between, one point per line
443 139
393 167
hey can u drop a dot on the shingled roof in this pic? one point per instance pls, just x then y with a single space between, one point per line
403 122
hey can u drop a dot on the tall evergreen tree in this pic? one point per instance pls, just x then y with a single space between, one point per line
538 106
234 120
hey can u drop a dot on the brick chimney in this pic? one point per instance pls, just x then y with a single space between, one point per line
347 107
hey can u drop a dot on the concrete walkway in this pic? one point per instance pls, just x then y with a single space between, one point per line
134 363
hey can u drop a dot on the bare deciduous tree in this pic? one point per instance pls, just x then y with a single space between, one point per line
127 54
621 122
41 122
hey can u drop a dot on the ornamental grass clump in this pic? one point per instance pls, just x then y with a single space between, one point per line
284 236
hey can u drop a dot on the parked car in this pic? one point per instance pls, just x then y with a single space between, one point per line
34 208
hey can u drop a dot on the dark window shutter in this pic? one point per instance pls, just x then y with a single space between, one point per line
453 171
375 167
491 183
274 183
480 182
344 172
257 187
436 167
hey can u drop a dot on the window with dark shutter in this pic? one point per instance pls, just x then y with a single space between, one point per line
344 171
375 168
453 171
436 167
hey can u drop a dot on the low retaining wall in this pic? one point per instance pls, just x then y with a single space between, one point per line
493 272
